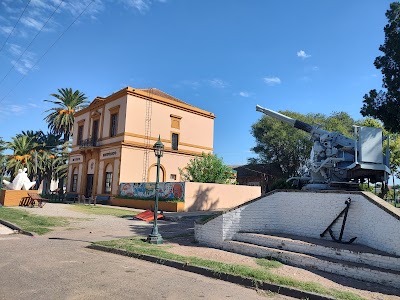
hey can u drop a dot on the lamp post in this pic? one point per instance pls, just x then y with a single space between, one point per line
154 237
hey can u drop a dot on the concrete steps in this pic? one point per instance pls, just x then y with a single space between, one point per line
354 261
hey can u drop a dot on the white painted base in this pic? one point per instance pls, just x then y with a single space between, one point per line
374 222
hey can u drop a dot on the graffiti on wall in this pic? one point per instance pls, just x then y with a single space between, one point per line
146 190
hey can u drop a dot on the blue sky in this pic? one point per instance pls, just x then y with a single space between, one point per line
222 56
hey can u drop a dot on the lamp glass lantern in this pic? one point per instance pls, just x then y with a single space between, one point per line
158 148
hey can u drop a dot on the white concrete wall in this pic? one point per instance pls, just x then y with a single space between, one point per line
374 222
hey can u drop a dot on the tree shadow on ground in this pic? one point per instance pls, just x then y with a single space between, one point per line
167 229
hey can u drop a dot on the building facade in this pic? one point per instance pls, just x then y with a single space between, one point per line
113 139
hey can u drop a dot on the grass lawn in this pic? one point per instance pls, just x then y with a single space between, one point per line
139 246
102 210
30 222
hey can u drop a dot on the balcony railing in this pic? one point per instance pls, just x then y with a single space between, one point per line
88 143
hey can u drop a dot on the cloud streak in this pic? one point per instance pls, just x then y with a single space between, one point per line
218 83
271 81
44 16
12 109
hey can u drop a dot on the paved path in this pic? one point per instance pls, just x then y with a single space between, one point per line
58 266
65 269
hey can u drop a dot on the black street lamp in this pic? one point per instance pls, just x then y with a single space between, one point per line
154 237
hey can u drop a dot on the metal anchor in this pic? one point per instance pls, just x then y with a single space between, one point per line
329 228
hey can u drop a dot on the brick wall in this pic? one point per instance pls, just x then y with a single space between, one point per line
374 222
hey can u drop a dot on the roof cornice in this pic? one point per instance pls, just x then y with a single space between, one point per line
99 102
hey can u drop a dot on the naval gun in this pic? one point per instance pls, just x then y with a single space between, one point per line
337 161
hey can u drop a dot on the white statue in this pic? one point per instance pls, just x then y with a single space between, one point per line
21 181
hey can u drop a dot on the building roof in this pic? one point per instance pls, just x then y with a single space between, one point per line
155 91
152 94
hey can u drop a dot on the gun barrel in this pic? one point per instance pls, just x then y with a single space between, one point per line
292 122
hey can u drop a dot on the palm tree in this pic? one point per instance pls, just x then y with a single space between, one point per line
48 147
23 147
60 163
61 118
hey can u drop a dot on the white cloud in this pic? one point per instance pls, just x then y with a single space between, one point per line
194 84
272 80
75 7
12 109
6 29
141 5
302 54
41 4
244 94
37 14
218 83
32 23
8 8
14 49
33 105
25 64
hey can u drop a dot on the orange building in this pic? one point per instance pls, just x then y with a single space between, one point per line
113 139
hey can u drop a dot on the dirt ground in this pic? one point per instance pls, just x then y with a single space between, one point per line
179 234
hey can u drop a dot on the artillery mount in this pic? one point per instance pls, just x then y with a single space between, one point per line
337 161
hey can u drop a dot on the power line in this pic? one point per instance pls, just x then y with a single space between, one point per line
48 49
22 54
26 6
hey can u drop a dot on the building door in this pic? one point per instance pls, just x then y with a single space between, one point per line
89 185
95 131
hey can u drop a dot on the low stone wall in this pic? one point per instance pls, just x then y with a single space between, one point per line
374 222
194 196
13 197
212 196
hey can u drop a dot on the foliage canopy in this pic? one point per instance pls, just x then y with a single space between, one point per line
61 118
208 168
384 105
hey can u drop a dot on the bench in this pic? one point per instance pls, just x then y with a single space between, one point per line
26 201
71 197
101 199
36 197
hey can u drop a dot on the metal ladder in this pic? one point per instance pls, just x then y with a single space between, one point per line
147 134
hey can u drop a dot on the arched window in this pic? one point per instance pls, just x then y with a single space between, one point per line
108 179
74 182
153 171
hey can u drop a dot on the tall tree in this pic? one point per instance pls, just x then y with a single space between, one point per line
22 147
384 105
289 148
61 118
208 168
60 163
